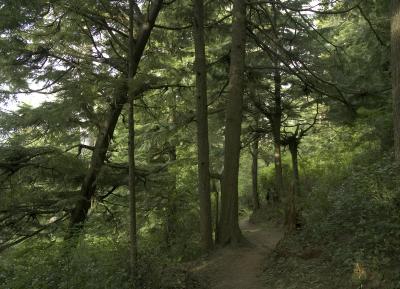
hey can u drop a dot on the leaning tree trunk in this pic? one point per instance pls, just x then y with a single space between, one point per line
276 132
88 188
202 126
229 231
254 174
395 42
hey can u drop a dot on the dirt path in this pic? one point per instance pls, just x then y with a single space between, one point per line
241 267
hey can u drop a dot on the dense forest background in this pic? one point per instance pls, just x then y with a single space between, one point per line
155 126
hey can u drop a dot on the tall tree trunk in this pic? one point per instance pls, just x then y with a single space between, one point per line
395 43
294 152
277 113
276 132
214 189
88 188
202 126
132 190
229 231
254 174
131 148
291 210
254 151
171 212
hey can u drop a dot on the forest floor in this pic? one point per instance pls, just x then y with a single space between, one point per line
241 267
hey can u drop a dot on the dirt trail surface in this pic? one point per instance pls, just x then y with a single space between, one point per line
241 267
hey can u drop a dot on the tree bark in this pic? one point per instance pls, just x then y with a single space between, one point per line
131 149
132 190
88 188
202 126
171 212
277 113
395 43
254 174
229 231
293 148
291 210
276 131
214 189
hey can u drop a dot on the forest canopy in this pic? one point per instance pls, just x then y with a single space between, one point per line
138 138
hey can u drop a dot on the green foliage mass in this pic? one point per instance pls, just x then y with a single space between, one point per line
334 85
349 212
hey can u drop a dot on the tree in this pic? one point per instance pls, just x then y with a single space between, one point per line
395 43
254 175
105 134
276 119
202 126
299 129
131 143
229 231
254 148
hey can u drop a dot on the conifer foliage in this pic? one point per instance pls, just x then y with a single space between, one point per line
150 128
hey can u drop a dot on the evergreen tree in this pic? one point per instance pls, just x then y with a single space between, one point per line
229 231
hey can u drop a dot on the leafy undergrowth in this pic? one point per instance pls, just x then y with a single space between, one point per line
270 213
294 272
102 264
350 237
